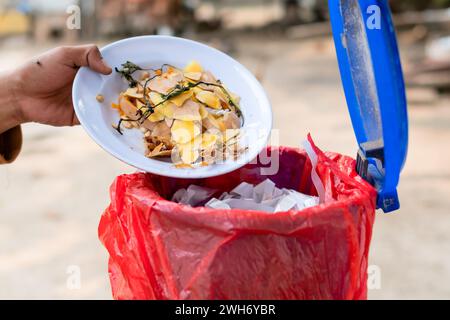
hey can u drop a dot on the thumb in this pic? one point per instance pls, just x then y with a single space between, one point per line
88 56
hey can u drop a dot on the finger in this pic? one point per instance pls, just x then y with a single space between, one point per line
87 56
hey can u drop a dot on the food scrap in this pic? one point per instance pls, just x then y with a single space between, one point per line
263 197
186 114
100 98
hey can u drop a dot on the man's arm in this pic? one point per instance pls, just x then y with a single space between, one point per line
41 91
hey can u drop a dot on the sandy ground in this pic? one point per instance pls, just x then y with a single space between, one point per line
53 195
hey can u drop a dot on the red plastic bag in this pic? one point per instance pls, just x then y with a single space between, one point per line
164 250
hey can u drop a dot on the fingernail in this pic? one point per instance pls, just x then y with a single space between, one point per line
105 64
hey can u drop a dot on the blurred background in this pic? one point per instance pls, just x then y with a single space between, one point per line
52 197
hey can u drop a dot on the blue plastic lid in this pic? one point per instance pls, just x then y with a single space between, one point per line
372 76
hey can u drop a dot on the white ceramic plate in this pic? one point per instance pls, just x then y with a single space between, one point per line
150 52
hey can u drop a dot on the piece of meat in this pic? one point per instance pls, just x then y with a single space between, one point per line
128 108
189 111
166 82
208 77
231 121
162 130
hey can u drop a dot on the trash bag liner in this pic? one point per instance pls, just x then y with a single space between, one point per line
164 250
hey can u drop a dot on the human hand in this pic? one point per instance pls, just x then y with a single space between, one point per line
42 88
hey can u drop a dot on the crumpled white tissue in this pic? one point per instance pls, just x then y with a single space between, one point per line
262 197
193 195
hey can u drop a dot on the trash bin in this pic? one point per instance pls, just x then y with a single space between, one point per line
164 250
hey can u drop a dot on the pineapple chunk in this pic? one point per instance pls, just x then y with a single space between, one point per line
156 116
133 92
219 92
167 109
190 151
209 98
210 123
184 131
193 66
193 75
203 112
196 90
189 156
139 104
180 99
155 97
208 140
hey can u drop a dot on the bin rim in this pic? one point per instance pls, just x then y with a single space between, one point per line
353 200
